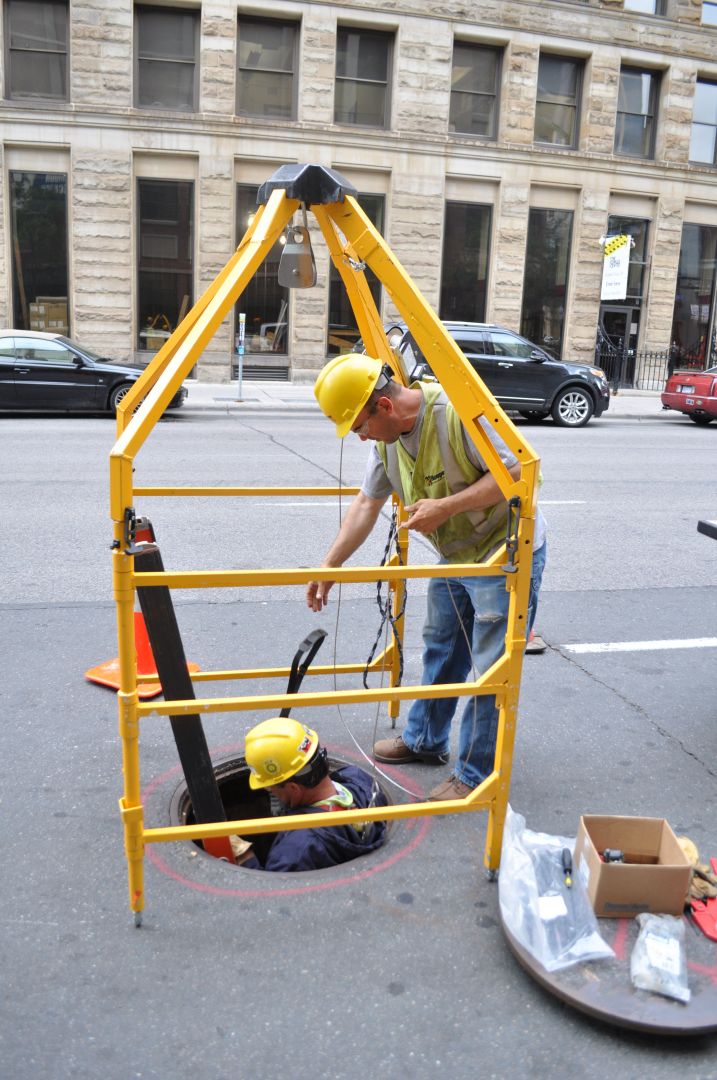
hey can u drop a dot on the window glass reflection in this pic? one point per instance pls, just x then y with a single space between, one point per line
362 71
545 284
475 80
466 250
36 43
343 332
166 58
557 101
635 125
38 207
703 139
264 302
165 262
266 58
695 297
636 228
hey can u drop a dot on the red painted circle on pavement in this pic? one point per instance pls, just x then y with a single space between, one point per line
418 827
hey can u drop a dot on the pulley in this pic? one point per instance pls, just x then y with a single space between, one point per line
297 267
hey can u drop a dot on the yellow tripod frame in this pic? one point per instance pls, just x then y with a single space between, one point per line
353 243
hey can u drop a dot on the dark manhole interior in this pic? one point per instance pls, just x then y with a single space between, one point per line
241 803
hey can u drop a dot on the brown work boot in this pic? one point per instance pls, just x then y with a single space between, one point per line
395 752
452 788
535 643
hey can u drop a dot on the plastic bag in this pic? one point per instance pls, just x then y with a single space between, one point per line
556 924
658 961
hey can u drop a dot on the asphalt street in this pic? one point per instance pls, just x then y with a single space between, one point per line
397 967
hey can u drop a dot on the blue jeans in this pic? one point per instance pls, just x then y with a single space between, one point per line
471 609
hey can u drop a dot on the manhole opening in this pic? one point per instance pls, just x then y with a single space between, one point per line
241 803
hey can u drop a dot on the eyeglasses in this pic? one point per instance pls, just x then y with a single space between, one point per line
362 430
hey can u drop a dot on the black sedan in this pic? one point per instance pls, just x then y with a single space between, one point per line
523 377
48 371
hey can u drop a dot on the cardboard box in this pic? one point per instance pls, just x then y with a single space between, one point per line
49 313
654 877
54 308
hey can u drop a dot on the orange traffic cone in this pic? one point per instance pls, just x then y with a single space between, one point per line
107 674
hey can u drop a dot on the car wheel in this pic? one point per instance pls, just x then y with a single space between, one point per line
118 394
700 419
532 414
573 407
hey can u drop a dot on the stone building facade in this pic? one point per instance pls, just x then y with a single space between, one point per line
106 142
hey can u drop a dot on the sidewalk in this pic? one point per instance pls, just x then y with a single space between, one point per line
299 397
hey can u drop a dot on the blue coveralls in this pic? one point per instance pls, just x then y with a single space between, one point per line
315 849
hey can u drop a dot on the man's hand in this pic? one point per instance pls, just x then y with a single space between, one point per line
427 515
317 594
241 849
360 518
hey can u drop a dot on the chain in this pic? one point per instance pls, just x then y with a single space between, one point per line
353 263
388 618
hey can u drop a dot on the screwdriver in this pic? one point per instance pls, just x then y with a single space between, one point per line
567 860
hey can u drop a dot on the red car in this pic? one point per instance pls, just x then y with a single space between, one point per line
694 393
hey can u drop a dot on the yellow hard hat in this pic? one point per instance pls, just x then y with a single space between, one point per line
344 386
277 749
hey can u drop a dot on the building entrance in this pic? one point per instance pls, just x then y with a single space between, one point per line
619 330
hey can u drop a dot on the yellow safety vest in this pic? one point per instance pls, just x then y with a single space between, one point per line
443 468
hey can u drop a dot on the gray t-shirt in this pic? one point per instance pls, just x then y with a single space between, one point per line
377 485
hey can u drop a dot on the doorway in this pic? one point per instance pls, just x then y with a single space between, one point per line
620 326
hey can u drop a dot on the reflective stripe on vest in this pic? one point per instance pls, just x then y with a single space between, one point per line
442 467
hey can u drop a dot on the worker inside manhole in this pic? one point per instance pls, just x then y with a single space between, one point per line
288 771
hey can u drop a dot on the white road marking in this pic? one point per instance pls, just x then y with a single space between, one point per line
644 646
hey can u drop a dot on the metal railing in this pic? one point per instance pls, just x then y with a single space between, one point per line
629 369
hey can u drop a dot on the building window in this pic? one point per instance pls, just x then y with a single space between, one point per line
475 80
620 319
695 298
466 251
165 258
558 100
648 7
363 67
266 61
166 58
703 142
343 332
637 228
636 108
36 49
38 208
264 303
709 14
545 284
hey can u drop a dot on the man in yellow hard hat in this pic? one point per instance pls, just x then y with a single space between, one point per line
422 452
286 759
